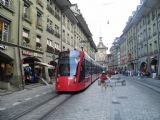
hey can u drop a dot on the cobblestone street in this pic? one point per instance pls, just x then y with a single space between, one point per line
131 102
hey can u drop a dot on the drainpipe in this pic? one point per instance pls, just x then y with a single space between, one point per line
158 64
61 29
18 42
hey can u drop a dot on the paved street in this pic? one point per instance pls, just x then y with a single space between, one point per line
131 102
135 101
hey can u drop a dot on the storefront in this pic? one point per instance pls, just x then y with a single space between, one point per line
32 72
6 69
154 67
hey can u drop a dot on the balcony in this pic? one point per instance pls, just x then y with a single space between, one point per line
39 25
7 5
40 3
38 48
56 51
27 18
50 9
26 40
57 16
25 44
50 29
50 49
57 34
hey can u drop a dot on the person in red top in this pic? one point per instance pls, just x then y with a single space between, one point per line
103 79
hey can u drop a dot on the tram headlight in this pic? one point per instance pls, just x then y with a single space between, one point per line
57 80
75 80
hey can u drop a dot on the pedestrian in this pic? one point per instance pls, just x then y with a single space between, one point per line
103 79
109 79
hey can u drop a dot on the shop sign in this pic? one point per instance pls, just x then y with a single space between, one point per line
3 47
26 52
38 55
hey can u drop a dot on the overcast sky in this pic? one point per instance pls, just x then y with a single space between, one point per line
97 13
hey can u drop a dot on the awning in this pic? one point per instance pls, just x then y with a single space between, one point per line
5 58
44 64
30 60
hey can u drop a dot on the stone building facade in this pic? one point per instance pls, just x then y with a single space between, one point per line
33 32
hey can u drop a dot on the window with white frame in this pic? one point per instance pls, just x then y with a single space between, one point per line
38 42
39 18
26 11
49 23
154 29
49 43
6 3
72 41
57 46
159 25
25 35
56 28
63 35
4 31
68 38
155 45
38 39
150 47
64 20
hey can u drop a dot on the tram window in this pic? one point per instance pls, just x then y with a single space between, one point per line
87 67
82 72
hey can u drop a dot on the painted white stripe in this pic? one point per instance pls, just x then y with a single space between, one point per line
16 103
44 93
37 95
28 99
1 109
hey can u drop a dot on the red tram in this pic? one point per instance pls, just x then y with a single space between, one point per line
75 71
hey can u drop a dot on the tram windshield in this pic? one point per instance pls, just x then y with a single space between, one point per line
68 63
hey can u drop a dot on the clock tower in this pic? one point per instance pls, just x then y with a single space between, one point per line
101 55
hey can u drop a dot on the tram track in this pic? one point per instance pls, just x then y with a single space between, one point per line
43 110
17 116
45 116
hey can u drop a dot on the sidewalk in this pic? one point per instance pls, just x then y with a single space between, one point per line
4 92
149 82
9 99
